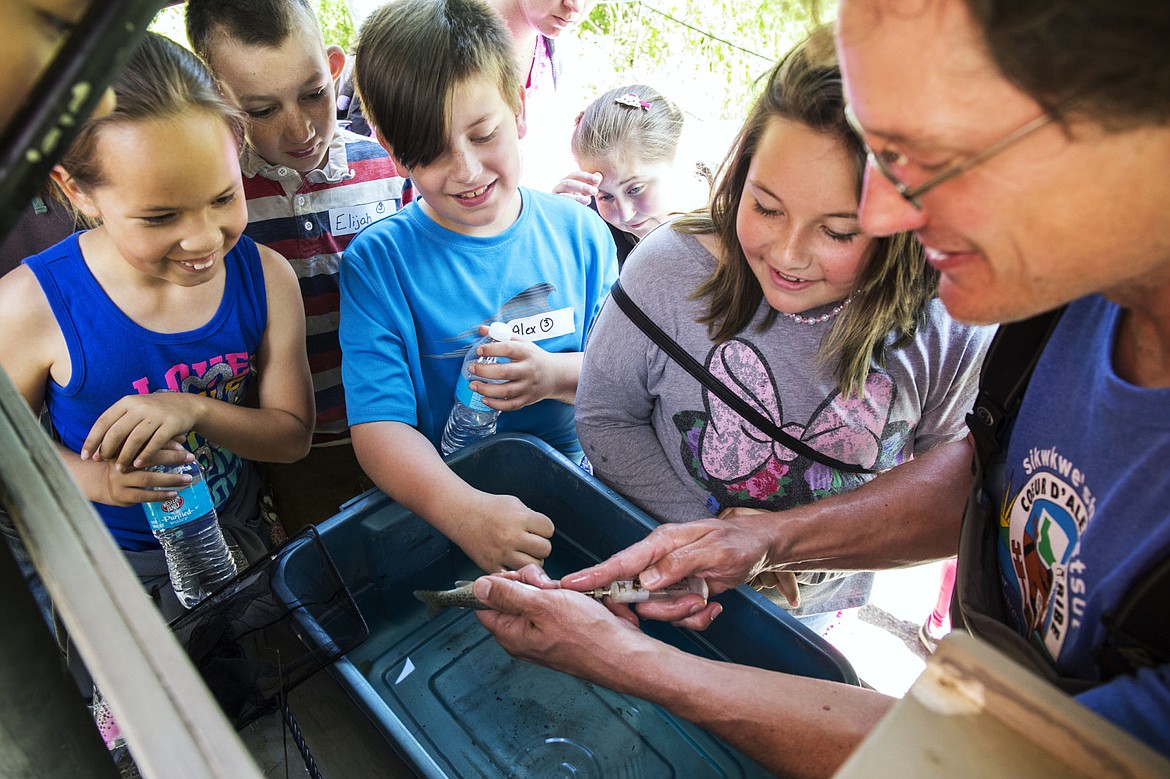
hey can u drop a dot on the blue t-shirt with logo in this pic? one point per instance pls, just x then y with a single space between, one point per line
1087 510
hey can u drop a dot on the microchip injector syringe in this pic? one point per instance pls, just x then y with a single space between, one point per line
632 591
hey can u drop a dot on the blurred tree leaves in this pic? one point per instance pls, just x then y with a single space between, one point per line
704 54
336 23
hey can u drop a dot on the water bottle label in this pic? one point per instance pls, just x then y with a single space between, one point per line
191 503
473 400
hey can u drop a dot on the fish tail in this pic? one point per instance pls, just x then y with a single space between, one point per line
432 603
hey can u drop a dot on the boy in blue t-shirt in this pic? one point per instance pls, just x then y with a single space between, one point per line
442 90
310 187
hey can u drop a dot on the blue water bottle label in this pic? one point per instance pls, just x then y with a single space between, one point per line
473 400
191 503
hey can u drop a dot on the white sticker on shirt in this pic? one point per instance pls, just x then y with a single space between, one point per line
549 324
347 221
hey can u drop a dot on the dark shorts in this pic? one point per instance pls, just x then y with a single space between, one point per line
312 489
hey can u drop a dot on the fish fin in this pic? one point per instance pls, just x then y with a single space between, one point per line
462 583
432 604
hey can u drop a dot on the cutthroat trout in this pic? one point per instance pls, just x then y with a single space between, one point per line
461 597
624 591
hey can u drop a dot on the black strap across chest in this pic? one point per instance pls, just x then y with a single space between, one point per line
721 390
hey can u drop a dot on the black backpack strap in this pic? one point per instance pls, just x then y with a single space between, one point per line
1139 628
721 390
977 602
1007 369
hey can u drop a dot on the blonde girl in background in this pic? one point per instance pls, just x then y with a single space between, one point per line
626 144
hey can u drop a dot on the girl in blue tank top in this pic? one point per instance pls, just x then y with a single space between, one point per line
161 332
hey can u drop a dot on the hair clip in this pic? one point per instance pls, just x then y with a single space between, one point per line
630 100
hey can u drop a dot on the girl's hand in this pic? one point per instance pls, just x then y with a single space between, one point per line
530 375
133 430
579 185
130 486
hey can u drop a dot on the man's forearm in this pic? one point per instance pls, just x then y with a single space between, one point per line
791 725
907 515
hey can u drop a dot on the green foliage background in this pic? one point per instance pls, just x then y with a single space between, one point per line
336 23
705 55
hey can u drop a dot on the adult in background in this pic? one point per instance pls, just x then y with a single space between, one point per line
536 27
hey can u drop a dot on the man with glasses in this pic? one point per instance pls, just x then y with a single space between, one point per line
1027 146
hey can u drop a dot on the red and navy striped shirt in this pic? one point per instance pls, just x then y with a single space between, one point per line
310 220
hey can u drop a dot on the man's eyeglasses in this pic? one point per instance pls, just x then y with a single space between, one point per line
891 157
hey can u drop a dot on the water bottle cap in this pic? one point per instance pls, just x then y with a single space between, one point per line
498 331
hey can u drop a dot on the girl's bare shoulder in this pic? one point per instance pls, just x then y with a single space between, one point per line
31 343
275 265
22 301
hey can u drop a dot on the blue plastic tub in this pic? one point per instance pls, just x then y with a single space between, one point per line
454 704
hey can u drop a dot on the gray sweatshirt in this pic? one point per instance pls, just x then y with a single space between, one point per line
658 437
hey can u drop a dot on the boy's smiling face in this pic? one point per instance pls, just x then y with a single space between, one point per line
287 93
472 188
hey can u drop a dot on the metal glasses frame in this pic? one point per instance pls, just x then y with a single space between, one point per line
913 194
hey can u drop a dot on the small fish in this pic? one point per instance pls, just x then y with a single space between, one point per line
621 591
461 597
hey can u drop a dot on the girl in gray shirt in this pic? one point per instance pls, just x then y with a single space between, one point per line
837 337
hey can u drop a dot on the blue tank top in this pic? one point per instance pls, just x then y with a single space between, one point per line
112 356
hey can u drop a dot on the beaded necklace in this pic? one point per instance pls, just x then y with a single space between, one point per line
816 320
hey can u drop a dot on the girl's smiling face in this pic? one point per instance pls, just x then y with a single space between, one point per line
172 200
633 195
797 220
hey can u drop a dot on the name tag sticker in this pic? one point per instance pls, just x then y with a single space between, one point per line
347 221
550 324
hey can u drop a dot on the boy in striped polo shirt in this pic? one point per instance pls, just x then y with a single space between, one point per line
311 186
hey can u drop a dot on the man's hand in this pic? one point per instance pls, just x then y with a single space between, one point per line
536 621
783 581
726 553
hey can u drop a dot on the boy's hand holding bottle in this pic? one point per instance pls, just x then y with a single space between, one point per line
530 375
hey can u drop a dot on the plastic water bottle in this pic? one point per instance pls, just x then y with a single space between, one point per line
186 525
470 419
